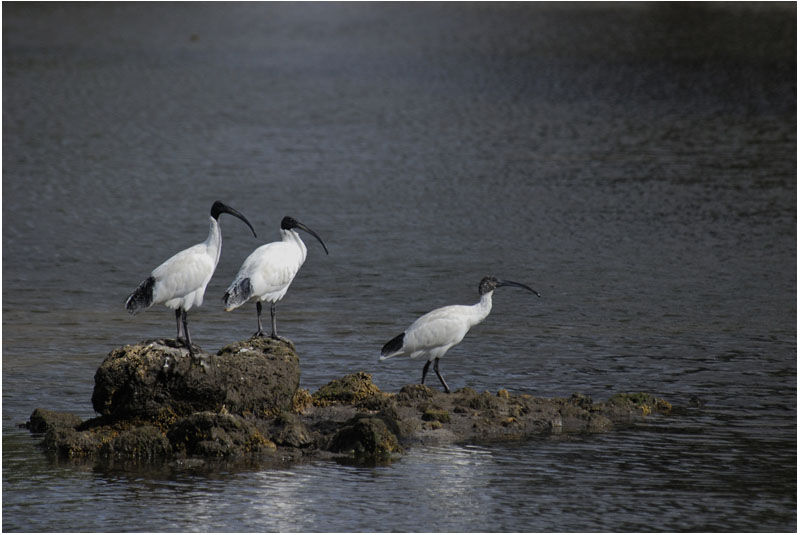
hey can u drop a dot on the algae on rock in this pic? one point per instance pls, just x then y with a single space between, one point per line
245 403
350 389
257 376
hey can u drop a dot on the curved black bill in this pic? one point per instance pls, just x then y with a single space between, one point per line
519 285
222 208
301 226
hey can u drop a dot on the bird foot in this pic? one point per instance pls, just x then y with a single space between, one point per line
202 361
282 339
174 343
171 362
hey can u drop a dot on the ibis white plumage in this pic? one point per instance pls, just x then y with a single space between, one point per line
180 282
434 333
266 274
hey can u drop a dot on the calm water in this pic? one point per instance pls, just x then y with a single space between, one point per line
635 163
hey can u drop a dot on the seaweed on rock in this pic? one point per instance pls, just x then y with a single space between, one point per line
245 403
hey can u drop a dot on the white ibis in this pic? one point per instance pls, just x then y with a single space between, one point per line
266 274
434 333
180 282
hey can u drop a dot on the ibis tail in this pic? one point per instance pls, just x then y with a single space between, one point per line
237 294
393 347
142 296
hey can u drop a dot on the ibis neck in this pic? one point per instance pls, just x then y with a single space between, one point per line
482 308
291 236
214 240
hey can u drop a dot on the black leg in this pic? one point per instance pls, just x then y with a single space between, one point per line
184 318
274 321
275 326
260 331
439 375
180 325
169 362
425 372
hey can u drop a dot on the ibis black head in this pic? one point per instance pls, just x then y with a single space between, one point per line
289 223
220 207
488 284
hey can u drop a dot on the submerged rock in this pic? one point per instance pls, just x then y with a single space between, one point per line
157 404
42 420
140 443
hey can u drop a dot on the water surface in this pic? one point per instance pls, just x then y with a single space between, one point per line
635 163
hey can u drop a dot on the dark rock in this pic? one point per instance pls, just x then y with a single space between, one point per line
577 417
379 401
350 390
484 401
260 376
244 405
257 376
210 434
412 393
292 432
141 443
70 443
129 382
436 415
42 420
301 400
366 438
636 403
582 401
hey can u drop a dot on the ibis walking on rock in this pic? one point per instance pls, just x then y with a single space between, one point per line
266 274
434 333
180 282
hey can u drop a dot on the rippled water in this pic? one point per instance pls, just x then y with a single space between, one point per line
635 163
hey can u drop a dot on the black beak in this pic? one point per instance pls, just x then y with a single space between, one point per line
222 208
301 226
519 285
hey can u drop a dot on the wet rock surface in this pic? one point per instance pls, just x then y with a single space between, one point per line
157 379
158 405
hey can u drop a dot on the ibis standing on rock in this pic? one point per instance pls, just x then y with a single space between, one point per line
434 333
266 274
180 282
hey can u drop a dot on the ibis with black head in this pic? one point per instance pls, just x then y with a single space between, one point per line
268 272
434 333
180 282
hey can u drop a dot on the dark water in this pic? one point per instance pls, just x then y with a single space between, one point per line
635 163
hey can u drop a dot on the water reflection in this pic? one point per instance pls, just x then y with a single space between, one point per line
281 499
452 487
533 486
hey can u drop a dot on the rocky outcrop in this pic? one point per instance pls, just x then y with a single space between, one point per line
157 380
157 404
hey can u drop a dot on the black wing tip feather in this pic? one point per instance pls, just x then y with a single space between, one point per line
238 293
142 296
395 344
